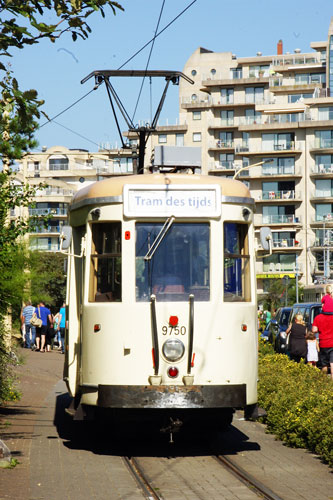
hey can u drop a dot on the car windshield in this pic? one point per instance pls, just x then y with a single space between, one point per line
284 318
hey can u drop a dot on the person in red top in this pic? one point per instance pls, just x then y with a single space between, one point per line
323 324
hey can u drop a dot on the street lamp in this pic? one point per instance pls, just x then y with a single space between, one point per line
250 166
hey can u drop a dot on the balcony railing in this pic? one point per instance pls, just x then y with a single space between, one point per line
285 243
280 219
278 195
54 191
320 194
265 148
59 166
44 246
293 82
274 170
221 144
282 267
47 211
224 165
328 218
323 168
320 143
323 242
290 60
48 229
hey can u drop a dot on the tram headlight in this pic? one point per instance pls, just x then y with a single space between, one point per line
173 349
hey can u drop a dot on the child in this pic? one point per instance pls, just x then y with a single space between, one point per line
313 348
327 301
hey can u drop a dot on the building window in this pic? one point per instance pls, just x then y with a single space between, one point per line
227 96
325 113
254 95
179 139
236 73
324 138
226 140
278 142
196 115
162 138
213 71
256 71
194 97
324 211
279 262
299 97
193 72
58 162
196 136
227 117
226 161
279 166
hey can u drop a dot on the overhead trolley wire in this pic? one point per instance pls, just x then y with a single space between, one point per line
120 67
149 56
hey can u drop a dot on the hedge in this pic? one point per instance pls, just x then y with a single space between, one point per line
298 400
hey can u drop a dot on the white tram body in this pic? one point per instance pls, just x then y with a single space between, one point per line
161 296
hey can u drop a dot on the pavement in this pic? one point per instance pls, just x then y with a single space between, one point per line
54 466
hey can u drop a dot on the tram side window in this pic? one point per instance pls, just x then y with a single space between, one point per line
105 270
236 263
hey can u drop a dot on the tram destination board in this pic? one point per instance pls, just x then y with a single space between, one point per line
178 200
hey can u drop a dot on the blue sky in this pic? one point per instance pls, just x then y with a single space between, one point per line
242 27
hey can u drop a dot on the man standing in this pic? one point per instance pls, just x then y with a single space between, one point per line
324 324
27 314
44 314
62 325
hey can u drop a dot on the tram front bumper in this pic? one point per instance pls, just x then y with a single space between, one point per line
172 396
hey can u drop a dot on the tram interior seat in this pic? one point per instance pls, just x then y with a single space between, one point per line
104 297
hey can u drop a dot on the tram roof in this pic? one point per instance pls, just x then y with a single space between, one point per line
114 186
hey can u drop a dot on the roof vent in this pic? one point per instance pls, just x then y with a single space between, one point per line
259 54
233 56
297 51
44 148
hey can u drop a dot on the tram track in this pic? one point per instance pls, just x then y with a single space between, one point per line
151 492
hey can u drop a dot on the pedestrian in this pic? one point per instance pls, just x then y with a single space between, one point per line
26 316
268 316
327 301
313 349
323 323
44 314
56 326
49 333
297 346
62 325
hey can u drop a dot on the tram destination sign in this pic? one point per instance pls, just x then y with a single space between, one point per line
150 200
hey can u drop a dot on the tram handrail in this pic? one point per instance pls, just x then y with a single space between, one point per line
190 339
156 356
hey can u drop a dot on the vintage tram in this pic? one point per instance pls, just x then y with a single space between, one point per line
161 300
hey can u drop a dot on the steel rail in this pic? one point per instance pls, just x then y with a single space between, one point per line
141 479
252 483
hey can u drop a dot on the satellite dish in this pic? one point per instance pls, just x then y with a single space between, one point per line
266 238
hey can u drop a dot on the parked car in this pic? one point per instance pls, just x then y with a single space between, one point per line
277 329
308 310
265 332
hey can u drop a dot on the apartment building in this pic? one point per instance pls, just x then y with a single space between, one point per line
63 172
273 115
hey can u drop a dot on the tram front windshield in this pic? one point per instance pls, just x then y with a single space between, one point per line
178 267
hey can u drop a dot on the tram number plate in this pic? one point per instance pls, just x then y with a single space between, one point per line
173 330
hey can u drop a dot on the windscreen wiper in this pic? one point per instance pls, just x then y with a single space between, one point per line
168 223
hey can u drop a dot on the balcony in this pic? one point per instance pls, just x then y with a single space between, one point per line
279 267
277 219
224 165
48 230
322 169
265 149
55 191
320 195
322 144
308 81
48 211
323 219
285 243
276 171
219 144
298 59
277 195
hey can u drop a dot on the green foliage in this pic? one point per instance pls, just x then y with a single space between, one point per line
8 388
47 278
278 292
23 23
298 400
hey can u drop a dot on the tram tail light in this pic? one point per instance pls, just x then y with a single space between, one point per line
153 356
97 328
173 320
192 362
173 371
244 327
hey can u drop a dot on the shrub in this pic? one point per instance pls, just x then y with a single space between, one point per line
298 400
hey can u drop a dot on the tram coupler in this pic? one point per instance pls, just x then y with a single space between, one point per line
253 412
174 426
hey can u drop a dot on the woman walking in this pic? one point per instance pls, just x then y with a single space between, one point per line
297 342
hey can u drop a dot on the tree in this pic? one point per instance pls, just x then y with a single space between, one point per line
22 24
47 278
